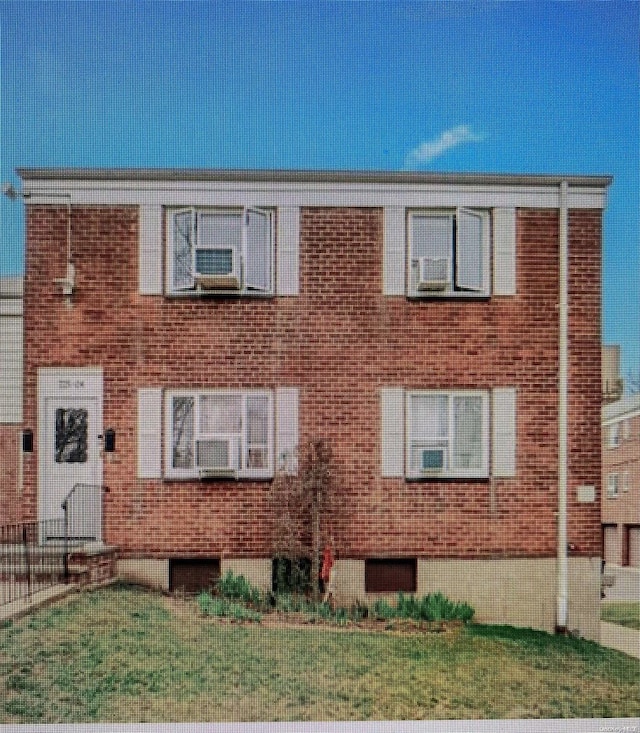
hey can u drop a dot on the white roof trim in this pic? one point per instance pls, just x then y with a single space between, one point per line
305 188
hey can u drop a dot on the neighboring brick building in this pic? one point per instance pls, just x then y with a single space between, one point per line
621 481
215 320
10 396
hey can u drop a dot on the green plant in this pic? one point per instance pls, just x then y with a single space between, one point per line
223 607
341 616
432 607
236 587
436 607
383 611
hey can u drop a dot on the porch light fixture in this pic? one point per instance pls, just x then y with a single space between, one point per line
109 440
27 440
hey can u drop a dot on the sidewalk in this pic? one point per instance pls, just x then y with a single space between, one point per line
22 606
620 638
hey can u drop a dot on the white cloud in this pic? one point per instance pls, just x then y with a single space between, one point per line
436 147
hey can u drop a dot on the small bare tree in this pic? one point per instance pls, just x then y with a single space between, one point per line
301 505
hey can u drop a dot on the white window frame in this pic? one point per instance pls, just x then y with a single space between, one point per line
626 429
242 472
613 486
448 471
614 435
453 291
240 212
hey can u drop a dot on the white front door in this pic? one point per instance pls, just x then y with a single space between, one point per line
70 461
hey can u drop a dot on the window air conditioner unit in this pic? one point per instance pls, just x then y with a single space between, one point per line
432 460
217 269
217 457
434 273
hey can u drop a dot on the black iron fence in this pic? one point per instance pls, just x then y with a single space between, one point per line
33 556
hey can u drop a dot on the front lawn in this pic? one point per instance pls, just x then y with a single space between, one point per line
125 655
624 613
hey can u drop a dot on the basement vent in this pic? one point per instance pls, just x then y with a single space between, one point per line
192 575
390 575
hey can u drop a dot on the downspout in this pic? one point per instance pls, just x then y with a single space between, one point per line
563 389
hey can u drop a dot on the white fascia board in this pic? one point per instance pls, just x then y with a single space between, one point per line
267 194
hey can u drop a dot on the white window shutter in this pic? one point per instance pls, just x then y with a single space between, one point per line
258 250
288 248
392 403
504 251
504 432
470 250
181 232
150 250
287 430
150 433
394 251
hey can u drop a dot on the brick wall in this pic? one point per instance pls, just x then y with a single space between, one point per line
10 438
340 341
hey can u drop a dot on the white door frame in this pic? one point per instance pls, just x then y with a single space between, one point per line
67 383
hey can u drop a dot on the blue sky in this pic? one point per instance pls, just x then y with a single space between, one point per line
526 87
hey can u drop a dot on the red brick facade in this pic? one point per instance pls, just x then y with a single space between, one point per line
9 474
340 341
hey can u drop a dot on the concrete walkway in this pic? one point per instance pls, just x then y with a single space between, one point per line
23 606
620 638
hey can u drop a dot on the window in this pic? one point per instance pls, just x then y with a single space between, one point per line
625 481
71 435
220 251
219 433
448 253
447 434
390 575
612 486
614 435
626 429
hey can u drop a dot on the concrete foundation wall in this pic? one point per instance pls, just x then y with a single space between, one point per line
257 572
515 592
146 571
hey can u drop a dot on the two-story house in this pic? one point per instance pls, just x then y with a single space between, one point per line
621 481
187 330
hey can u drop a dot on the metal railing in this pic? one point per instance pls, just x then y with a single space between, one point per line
35 555
82 508
32 558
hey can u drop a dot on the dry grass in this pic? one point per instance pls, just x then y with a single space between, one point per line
123 655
